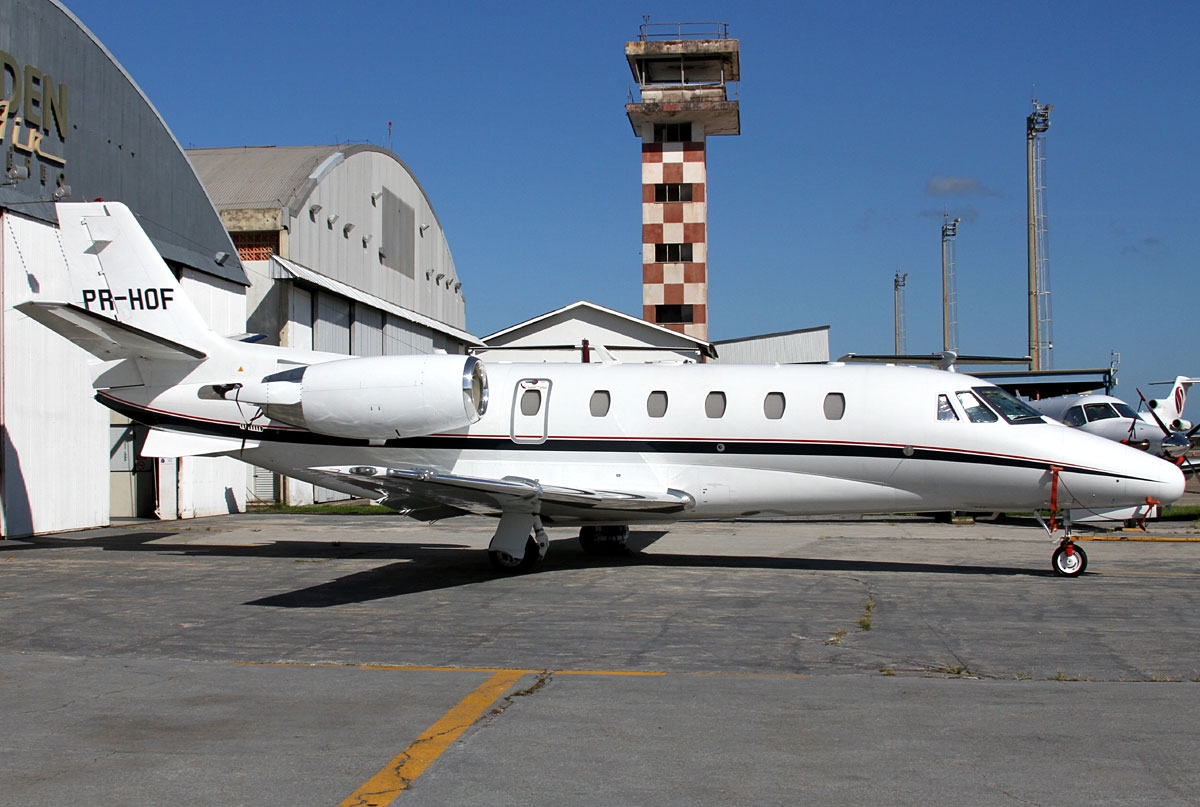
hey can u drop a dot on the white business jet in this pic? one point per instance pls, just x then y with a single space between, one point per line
601 446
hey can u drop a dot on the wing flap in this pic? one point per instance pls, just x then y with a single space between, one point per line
424 488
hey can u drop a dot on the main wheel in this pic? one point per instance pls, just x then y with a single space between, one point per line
1069 564
606 540
504 562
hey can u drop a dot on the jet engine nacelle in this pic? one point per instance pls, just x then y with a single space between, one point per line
374 398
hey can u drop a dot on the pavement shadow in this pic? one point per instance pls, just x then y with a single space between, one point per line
421 567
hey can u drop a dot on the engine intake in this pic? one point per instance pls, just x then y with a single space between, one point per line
374 398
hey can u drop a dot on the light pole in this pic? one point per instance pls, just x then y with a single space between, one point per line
949 286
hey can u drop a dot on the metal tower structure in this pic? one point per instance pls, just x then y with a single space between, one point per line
683 72
1041 337
901 319
949 285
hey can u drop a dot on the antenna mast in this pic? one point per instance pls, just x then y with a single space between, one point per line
901 320
1041 338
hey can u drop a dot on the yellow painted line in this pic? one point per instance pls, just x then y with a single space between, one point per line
382 788
1164 539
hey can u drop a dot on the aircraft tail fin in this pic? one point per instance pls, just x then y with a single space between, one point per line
126 299
1170 408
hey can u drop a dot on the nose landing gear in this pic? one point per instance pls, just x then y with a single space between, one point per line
1069 560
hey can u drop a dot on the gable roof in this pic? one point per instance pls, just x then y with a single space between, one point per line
655 334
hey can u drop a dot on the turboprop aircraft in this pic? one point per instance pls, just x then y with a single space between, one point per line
1112 418
601 446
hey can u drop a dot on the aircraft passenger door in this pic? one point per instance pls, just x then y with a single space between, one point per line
530 410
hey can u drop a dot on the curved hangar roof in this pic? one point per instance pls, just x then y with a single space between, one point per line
276 177
75 119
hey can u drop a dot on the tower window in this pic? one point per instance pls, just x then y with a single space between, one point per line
672 253
672 132
673 192
678 314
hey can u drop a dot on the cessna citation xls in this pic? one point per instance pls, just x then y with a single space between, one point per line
600 446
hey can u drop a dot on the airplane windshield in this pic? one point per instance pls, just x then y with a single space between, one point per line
1099 411
1125 409
1011 409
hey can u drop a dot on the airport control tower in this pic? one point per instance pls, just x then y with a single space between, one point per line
683 72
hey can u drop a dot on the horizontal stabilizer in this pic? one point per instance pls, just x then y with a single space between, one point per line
105 338
163 443
425 488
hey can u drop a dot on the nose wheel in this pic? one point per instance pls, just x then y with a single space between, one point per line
1069 560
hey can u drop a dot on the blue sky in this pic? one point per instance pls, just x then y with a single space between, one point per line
862 123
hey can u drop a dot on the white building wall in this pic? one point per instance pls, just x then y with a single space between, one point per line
55 436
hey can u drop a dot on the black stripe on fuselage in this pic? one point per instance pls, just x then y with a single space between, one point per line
595 445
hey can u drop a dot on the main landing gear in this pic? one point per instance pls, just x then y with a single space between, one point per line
607 540
519 543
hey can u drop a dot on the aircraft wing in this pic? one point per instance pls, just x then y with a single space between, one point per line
104 338
428 494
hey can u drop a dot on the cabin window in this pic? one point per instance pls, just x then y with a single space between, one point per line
835 406
1074 416
773 405
945 410
714 405
656 404
531 402
976 411
600 403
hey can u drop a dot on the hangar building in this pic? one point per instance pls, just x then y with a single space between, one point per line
348 256
344 253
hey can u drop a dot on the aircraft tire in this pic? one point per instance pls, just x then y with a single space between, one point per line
504 562
604 541
1069 565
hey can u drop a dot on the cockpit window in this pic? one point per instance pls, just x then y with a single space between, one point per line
1099 411
1011 409
1125 410
1074 416
976 411
945 410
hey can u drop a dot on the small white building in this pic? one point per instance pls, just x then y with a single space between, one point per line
584 331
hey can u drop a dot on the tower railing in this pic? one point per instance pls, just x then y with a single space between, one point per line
683 30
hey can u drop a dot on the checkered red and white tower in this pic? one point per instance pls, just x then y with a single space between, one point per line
683 72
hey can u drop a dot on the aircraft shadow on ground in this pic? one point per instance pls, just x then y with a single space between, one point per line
421 567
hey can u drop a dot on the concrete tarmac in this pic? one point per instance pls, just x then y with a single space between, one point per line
329 660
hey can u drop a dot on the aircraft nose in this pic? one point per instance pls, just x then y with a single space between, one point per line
1155 479
1124 476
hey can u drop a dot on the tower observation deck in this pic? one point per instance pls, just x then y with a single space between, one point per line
683 72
